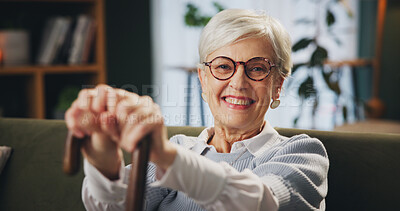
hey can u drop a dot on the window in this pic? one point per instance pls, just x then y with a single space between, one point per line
175 52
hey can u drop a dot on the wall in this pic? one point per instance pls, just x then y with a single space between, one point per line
390 69
390 76
128 45
129 49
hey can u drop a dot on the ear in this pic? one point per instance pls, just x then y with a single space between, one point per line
277 87
202 77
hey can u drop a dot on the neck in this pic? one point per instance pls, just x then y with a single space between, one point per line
224 137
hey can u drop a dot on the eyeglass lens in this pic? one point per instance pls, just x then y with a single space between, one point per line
256 68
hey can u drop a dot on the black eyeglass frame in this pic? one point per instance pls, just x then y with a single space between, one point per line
236 65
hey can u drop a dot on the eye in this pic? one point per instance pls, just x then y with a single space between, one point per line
224 66
257 69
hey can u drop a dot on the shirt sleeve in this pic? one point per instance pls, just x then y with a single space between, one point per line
297 173
100 193
216 186
291 177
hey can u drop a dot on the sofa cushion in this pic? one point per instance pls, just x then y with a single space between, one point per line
33 178
364 169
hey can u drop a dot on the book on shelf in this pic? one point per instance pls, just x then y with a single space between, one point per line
62 55
52 39
44 44
81 38
67 40
88 43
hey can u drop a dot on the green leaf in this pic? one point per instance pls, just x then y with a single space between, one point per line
330 18
218 6
296 66
307 89
205 20
332 85
191 15
194 18
318 57
67 95
315 106
295 121
303 43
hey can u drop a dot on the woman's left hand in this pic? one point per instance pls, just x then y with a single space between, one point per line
138 116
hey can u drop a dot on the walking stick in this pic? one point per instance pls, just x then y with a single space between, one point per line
137 179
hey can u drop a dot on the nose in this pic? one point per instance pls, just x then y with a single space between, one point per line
239 79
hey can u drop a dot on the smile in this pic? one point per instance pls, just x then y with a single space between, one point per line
238 101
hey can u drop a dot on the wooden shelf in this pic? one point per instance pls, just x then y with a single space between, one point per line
351 63
34 89
27 70
50 1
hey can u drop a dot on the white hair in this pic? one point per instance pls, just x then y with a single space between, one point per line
233 25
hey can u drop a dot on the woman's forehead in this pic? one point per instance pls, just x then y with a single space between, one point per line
245 49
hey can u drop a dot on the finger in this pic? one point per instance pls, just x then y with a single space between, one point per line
122 93
89 122
100 99
109 125
85 98
131 114
71 118
136 129
146 101
111 100
131 136
114 97
123 109
82 120
126 105
88 119
135 107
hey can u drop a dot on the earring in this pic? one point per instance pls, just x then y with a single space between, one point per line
275 104
204 97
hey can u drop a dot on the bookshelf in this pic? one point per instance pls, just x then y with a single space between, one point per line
32 90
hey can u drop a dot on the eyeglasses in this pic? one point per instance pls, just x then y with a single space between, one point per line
223 68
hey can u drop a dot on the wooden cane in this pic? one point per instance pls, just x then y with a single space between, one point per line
72 154
137 180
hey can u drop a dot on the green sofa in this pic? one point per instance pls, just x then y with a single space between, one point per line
364 169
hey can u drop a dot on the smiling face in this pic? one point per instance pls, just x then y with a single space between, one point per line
239 102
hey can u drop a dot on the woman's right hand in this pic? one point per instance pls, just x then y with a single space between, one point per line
91 114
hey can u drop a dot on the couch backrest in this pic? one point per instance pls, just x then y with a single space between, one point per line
364 171
33 178
364 168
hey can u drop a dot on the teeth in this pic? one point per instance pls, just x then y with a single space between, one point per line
237 101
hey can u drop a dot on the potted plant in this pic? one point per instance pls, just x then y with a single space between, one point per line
67 95
307 89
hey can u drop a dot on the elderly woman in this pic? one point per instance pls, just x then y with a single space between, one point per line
241 163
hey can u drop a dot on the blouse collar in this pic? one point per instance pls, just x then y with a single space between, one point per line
256 145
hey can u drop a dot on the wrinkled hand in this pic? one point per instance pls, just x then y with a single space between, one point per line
117 119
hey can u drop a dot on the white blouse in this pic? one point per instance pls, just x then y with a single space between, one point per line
212 185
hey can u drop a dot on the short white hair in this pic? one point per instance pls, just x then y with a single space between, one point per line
233 25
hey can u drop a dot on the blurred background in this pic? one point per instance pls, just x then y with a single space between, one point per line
345 54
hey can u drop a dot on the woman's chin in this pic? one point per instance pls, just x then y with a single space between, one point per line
236 121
